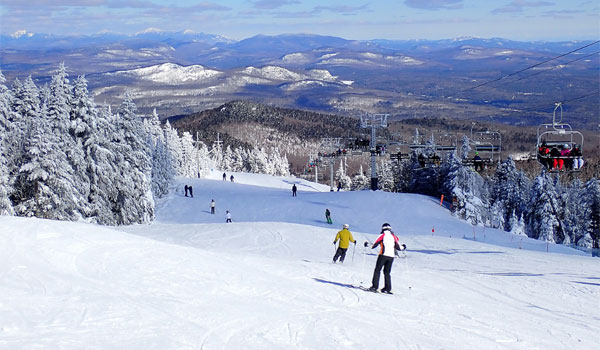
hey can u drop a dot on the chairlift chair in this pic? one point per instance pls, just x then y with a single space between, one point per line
557 135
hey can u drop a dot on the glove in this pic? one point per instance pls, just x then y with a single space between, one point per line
354 242
366 244
403 247
333 243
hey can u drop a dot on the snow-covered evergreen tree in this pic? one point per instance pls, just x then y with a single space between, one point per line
470 191
174 147
189 164
5 186
280 163
134 202
257 161
465 147
162 170
517 225
509 193
360 181
343 180
589 211
386 177
94 128
543 222
228 160
67 151
43 180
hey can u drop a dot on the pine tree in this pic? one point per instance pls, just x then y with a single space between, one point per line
543 222
386 177
517 225
189 161
134 202
94 129
228 160
590 215
45 183
175 148
470 191
344 181
360 181
5 187
465 147
162 170
509 193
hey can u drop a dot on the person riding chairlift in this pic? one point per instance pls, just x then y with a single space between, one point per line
478 162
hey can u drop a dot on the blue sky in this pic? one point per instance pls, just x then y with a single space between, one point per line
350 19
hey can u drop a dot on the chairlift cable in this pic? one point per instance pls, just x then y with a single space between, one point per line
530 67
540 72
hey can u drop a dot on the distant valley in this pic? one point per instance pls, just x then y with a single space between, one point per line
184 73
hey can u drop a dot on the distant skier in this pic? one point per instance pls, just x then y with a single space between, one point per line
328 216
191 191
389 244
212 206
345 237
224 177
186 188
294 189
421 159
231 178
478 162
227 217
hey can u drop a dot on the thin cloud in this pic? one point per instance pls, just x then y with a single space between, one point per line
111 4
273 4
435 4
343 10
340 9
518 6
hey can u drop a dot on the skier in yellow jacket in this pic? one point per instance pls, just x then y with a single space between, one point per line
345 237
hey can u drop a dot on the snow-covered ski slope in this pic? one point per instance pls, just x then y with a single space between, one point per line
265 281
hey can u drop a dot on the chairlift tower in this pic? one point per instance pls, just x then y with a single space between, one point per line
373 121
218 150
314 158
330 145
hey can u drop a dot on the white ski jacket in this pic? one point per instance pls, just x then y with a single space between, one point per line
389 243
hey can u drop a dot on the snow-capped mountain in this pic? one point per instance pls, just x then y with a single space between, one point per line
170 73
362 76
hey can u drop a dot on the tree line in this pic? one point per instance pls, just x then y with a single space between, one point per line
64 157
542 208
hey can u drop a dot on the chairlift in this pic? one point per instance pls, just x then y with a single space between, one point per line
489 142
559 147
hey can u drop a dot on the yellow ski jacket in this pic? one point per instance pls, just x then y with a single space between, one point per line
345 238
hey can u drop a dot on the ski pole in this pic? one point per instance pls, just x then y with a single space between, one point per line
353 249
362 268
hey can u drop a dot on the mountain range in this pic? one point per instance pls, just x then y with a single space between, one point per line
185 72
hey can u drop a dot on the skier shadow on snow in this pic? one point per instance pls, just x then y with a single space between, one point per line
587 283
452 251
346 285
513 274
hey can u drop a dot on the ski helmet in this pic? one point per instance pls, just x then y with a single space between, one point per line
345 226
386 226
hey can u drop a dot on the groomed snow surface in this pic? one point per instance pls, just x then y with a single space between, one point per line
266 281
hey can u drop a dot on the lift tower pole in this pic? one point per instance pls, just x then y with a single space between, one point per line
331 145
373 121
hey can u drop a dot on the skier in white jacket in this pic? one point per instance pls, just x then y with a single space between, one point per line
388 243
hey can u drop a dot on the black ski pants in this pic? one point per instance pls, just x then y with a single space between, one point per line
340 253
384 262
